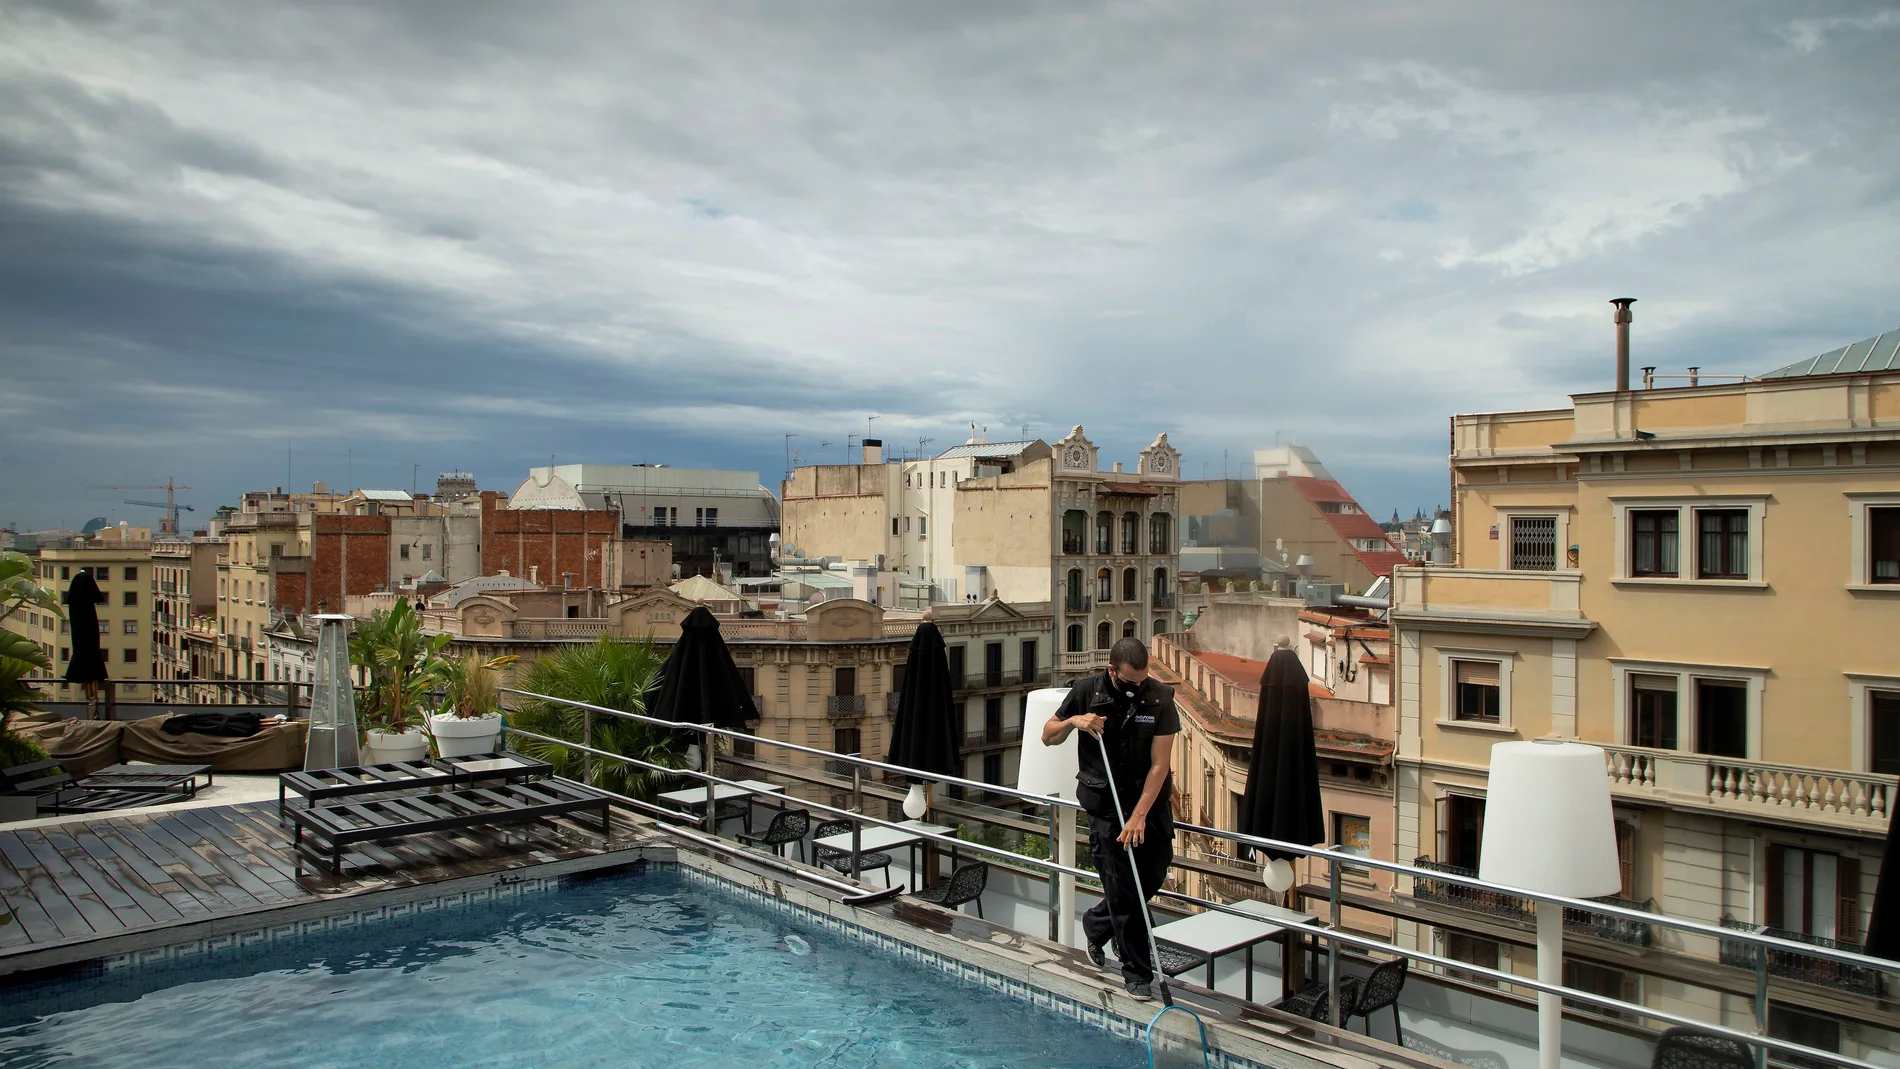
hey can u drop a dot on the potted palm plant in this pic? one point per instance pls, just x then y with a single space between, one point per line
470 719
403 666
611 673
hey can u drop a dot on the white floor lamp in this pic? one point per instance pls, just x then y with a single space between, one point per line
1050 771
1548 828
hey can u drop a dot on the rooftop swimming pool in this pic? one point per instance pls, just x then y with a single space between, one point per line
647 970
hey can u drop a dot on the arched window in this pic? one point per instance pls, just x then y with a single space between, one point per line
1104 586
1163 593
1161 628
1075 588
1075 531
1128 630
1131 528
1131 585
1102 634
1160 534
1075 638
1104 525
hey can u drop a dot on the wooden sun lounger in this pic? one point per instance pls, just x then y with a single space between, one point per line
56 791
149 778
393 816
321 785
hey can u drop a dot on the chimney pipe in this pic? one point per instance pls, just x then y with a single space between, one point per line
1623 319
873 451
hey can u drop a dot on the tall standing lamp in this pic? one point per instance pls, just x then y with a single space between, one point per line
1050 771
1548 828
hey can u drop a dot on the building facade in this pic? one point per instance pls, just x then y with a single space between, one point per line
1305 512
1704 581
120 560
184 602
720 523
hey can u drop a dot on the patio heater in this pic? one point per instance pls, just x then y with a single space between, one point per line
1548 829
1050 771
332 740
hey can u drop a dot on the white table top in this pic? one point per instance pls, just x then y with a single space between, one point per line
877 837
722 792
1215 932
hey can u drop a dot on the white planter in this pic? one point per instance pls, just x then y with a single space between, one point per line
465 737
411 745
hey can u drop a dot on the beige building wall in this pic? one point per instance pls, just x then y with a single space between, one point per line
1796 638
121 563
251 540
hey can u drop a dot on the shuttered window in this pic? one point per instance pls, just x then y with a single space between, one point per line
1476 691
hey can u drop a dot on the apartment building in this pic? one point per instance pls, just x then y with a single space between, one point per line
1305 512
1705 581
120 560
720 523
184 606
828 678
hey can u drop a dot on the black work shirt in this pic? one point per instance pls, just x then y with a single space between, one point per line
1130 725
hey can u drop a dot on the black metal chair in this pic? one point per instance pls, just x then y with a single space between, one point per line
786 828
738 809
1315 1003
1686 1048
1376 992
840 860
964 885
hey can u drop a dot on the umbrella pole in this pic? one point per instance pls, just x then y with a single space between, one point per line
1134 873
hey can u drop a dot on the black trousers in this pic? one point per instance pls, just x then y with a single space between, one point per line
1121 915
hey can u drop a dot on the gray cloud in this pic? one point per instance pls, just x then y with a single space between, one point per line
472 234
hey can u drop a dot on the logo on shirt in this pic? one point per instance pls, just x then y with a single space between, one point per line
1144 719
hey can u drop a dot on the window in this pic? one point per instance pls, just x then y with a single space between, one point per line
131 627
894 531
1160 537
1598 980
105 627
130 656
1722 552
846 741
402 551
993 721
1131 527
1160 628
1721 718
1653 712
1653 542
1533 543
1131 585
1883 545
65 653
131 575
428 552
844 681
130 597
923 527
1883 712
1477 692
1129 628
992 664
1029 661
1814 893
1476 951
1353 835
955 657
1075 638
993 768
1103 635
1807 1029
65 571
1460 830
1103 525
1104 585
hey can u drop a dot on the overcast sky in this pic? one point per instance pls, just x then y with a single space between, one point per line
474 235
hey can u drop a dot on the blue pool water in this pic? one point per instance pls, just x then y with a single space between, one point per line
643 971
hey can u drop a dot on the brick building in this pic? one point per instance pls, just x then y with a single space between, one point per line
556 546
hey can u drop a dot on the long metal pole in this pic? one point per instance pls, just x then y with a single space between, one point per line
857 826
1332 951
1055 887
1761 1004
706 766
587 739
1550 1006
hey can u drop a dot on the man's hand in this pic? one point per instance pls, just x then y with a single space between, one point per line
1093 723
1135 830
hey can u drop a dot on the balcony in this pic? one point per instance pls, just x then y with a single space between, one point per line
1072 544
1078 606
1848 801
1578 921
1163 602
1160 549
1794 965
1005 735
891 701
839 705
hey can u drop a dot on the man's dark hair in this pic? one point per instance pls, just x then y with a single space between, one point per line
1128 653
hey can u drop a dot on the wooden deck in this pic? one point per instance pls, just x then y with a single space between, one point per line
96 877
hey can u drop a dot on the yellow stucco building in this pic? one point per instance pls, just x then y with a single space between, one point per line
1705 581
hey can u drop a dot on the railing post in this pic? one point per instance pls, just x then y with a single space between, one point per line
587 739
112 699
1332 949
1761 1003
706 766
857 806
1055 834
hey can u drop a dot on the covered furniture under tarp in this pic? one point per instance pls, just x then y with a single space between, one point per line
334 827
274 748
80 746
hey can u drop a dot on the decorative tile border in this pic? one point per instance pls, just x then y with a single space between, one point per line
1067 1008
278 933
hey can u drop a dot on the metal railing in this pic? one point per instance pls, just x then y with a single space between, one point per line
1762 944
1794 965
844 705
1081 604
1004 733
1582 921
1072 544
1164 601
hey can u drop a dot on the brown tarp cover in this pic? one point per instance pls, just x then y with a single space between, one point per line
80 746
274 748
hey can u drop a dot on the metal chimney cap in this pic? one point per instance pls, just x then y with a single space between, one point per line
1441 526
1623 300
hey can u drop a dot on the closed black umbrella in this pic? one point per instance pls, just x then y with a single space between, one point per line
925 734
83 599
699 683
1282 799
1883 927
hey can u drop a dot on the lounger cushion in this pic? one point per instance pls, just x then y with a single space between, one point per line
80 746
274 748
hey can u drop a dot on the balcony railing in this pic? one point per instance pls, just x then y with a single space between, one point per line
891 701
1794 965
1072 543
1855 800
1160 548
1007 734
844 705
1583 922
1164 601
1078 605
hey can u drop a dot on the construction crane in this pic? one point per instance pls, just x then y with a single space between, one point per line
168 525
